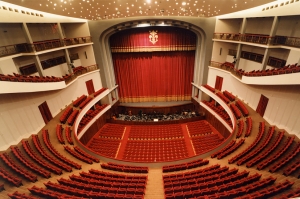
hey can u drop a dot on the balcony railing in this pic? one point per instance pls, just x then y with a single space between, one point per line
77 40
79 71
286 41
227 36
232 52
15 49
226 66
256 38
275 62
46 45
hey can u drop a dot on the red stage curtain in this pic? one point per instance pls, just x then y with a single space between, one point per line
169 39
156 76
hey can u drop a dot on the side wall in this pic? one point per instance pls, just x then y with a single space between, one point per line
20 116
283 109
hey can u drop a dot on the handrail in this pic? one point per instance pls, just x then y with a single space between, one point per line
15 49
84 69
77 40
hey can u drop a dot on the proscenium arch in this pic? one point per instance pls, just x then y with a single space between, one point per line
200 52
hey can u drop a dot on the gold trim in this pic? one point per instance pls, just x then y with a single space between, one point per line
155 99
153 49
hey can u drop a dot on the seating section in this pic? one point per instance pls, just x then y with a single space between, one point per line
235 111
240 128
24 78
206 143
223 97
10 178
77 155
231 149
69 135
184 166
45 155
72 117
155 131
155 150
260 148
98 92
124 168
219 110
263 155
227 65
293 167
277 155
84 102
229 95
249 126
18 154
242 107
115 131
279 71
63 118
20 170
90 115
104 146
291 194
79 100
79 69
252 146
83 153
59 133
228 146
200 127
209 88
287 158
39 160
57 154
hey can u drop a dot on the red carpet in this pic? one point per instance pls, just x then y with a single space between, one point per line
188 141
123 143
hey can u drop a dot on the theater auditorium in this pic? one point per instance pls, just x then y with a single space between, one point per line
170 99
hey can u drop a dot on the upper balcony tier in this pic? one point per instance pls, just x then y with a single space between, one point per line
39 46
259 39
288 75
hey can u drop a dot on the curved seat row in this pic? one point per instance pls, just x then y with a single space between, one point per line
63 118
69 135
242 107
98 92
223 97
59 134
84 102
231 149
72 117
17 195
77 155
79 100
24 78
230 96
293 167
48 193
124 168
219 110
249 126
206 143
184 166
10 178
228 146
83 153
209 88
240 128
235 111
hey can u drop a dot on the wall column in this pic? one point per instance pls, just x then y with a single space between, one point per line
239 49
38 64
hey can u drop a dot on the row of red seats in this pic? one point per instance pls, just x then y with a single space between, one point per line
90 115
17 153
293 167
288 157
155 131
240 128
189 175
291 194
242 107
104 146
209 88
47 193
98 92
236 111
69 135
59 135
223 97
222 113
78 101
45 155
230 96
206 142
83 153
39 160
259 149
63 118
72 117
249 126
263 155
17 195
284 70
24 78
125 168
216 175
277 155
231 149
252 146
79 69
20 170
112 130
269 191
228 146
77 155
198 127
184 166
56 153
85 102
227 65
10 178
208 183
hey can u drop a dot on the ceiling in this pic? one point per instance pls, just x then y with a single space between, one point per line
109 9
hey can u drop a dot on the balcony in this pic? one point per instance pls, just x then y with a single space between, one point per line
15 49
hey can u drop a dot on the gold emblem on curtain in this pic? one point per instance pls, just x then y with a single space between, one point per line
153 37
